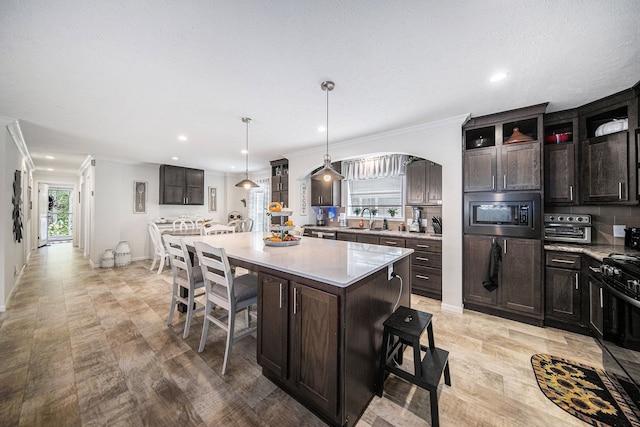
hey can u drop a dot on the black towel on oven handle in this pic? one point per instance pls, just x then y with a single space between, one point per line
490 282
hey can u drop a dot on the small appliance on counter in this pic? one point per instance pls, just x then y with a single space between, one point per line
632 238
321 219
570 228
414 227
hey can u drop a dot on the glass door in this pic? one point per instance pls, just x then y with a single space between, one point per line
60 215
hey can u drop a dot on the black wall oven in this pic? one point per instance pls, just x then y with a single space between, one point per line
503 214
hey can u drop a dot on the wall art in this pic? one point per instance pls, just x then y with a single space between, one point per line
139 197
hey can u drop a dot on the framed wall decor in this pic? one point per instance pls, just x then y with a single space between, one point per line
213 199
139 197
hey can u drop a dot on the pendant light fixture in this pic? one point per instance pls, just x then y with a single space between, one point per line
246 182
327 173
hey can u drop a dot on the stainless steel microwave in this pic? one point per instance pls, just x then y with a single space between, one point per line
503 214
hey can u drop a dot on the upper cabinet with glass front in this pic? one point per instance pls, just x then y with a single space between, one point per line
502 151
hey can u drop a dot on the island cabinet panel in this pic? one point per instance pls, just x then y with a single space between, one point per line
314 344
273 322
325 351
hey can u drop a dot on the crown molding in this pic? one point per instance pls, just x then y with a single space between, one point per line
18 138
411 130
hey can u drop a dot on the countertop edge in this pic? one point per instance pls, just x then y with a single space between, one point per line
596 251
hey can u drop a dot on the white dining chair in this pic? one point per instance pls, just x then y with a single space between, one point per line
217 229
159 251
237 224
183 224
223 290
184 277
248 224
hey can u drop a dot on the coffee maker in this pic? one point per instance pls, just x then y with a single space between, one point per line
417 216
320 218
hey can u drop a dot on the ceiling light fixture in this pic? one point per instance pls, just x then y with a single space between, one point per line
246 182
497 77
174 158
327 173
182 138
50 157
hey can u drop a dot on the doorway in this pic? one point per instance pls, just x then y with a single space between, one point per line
60 214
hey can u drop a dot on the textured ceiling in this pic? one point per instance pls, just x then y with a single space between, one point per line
122 79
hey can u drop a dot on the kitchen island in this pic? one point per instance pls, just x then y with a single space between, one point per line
321 305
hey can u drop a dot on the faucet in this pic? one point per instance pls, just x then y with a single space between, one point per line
370 217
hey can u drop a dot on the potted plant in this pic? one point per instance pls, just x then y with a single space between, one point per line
356 211
374 211
392 211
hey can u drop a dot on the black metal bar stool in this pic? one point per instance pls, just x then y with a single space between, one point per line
404 327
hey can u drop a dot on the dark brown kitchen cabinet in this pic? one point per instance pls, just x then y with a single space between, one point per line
273 321
596 299
494 163
326 193
298 339
424 183
368 238
519 294
608 165
563 290
559 184
347 237
280 181
561 158
604 169
426 267
314 346
181 186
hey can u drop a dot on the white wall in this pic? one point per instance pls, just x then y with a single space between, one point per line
440 142
13 254
114 198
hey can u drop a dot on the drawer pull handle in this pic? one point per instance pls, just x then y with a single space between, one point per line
391 243
577 281
420 276
280 295
419 258
594 269
562 261
423 246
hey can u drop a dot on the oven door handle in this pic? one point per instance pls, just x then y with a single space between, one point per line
616 293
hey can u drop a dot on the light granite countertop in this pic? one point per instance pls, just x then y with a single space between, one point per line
333 262
596 251
389 233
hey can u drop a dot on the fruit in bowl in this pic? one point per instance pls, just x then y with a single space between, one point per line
275 207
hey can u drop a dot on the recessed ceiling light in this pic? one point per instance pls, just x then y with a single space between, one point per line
182 137
233 167
50 170
174 158
497 77
243 151
321 129
50 157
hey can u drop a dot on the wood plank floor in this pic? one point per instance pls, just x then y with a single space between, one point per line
82 346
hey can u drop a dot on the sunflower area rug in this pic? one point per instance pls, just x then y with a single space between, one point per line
585 392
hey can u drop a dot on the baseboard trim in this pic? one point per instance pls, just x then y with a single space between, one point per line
452 308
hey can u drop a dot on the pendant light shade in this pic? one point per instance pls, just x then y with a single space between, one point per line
246 182
327 173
